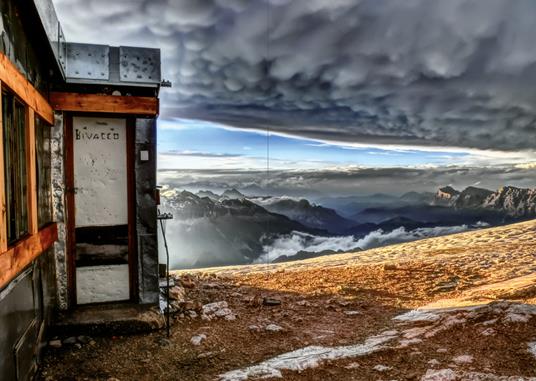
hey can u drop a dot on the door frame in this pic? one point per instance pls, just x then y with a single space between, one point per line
70 204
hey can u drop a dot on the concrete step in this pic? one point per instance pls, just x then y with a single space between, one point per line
108 319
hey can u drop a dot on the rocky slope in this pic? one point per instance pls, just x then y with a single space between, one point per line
455 308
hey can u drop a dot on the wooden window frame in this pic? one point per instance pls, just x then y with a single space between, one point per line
28 128
42 125
18 255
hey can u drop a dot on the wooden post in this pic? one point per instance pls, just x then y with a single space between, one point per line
33 225
3 224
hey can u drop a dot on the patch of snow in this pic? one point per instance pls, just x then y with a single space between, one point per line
445 324
526 309
513 317
415 332
433 362
488 332
463 359
532 348
477 376
381 368
490 322
520 313
417 315
408 342
304 358
439 375
352 365
351 313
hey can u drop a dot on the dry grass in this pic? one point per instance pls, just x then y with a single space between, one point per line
468 269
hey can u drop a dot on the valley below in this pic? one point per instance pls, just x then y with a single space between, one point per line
232 228
456 307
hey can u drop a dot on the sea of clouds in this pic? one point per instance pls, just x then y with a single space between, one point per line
291 244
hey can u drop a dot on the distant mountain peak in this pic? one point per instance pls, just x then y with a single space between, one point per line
517 202
508 200
312 215
446 196
471 197
206 193
232 193
448 190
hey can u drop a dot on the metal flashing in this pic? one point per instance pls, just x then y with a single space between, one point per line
53 30
88 61
139 65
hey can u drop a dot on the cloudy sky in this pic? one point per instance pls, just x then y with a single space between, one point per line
355 95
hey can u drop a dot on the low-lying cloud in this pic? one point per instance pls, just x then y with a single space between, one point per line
289 245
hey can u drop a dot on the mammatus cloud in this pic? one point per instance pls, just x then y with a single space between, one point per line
457 73
348 180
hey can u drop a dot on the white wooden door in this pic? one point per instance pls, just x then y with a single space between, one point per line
101 209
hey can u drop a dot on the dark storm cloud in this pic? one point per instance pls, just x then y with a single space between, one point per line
419 72
350 181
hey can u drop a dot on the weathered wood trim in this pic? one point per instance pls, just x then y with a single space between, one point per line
33 224
70 213
16 258
13 79
3 224
127 105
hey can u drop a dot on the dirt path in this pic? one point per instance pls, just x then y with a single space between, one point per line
343 317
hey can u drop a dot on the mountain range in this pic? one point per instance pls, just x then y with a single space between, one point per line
233 228
508 200
210 232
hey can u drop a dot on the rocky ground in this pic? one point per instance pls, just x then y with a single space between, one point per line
459 307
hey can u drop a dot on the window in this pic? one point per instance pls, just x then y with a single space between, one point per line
16 179
43 175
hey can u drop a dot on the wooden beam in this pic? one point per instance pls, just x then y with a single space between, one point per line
13 79
3 224
32 173
13 261
70 213
146 106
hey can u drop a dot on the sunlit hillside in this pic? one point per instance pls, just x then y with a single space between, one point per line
458 307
